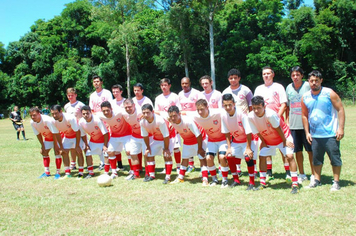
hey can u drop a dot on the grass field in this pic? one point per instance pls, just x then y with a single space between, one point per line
32 206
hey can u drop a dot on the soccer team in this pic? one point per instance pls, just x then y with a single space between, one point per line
233 125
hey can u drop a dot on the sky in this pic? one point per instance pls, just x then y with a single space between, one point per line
17 16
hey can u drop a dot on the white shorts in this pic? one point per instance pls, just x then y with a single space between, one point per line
177 141
48 144
117 144
136 146
192 150
158 146
95 149
215 147
271 150
69 143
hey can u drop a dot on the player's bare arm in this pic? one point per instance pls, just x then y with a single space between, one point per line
305 122
337 103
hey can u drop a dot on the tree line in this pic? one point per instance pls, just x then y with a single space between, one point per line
131 41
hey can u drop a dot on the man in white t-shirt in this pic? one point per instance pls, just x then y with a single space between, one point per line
99 95
275 98
211 95
118 100
295 92
139 98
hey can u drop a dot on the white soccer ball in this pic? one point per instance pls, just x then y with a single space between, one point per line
104 180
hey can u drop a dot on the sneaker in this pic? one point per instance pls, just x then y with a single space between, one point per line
302 178
89 176
295 190
205 183
316 183
148 179
101 166
57 176
163 171
269 178
44 175
129 177
239 173
177 181
250 187
132 177
80 176
113 176
190 169
225 184
166 181
214 182
260 187
335 186
288 179
234 184
120 169
66 176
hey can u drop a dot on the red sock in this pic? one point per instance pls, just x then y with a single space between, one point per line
112 163
118 157
191 161
107 168
169 166
263 177
46 162
58 163
232 162
151 168
286 166
251 174
146 171
269 165
91 170
182 170
136 170
140 160
204 172
177 157
130 164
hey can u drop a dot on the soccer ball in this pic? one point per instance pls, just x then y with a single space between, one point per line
104 180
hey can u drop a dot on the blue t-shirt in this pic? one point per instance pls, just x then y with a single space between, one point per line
322 115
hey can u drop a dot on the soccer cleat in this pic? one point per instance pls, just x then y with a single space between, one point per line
239 173
101 166
120 169
113 176
234 184
163 171
302 178
80 176
260 187
250 187
148 179
44 175
57 176
269 178
190 169
295 190
66 176
335 186
225 184
166 181
177 181
214 182
205 183
129 177
288 179
89 176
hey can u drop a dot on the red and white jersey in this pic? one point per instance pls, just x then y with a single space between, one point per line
96 99
189 130
162 103
159 128
95 128
118 125
134 121
213 98
235 125
142 101
187 100
115 103
74 109
68 126
45 127
265 126
274 95
211 124
243 97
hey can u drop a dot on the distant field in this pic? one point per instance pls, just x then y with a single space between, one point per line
32 206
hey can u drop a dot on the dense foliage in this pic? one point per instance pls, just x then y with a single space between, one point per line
143 41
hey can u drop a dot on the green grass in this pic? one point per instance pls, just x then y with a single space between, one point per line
32 206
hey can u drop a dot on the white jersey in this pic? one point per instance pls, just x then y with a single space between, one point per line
96 99
74 109
142 101
115 103
273 95
162 102
243 97
45 127
188 100
213 98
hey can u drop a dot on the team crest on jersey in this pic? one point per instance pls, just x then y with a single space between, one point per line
274 93
96 127
215 122
212 100
242 96
240 123
118 120
185 130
